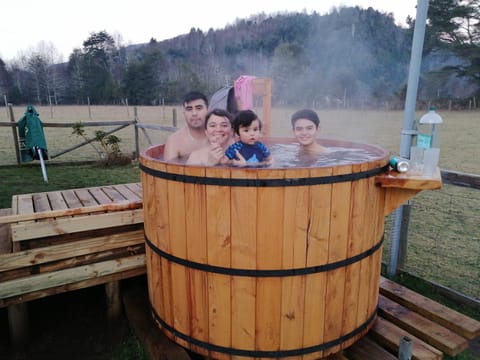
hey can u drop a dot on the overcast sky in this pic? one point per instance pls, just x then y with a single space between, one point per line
64 24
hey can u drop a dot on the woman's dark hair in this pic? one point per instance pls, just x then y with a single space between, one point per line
219 112
244 118
305 114
195 95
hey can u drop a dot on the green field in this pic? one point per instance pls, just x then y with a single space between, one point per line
444 241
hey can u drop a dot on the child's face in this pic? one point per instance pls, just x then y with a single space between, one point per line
305 131
250 134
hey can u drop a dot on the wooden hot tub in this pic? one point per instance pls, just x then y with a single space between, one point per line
265 262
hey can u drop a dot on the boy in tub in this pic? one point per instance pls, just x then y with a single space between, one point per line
248 151
306 127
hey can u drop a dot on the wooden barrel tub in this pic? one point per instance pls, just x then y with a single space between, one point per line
259 263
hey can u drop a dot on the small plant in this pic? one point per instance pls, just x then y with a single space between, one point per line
110 152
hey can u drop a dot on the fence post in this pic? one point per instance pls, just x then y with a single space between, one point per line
174 115
402 251
14 133
135 121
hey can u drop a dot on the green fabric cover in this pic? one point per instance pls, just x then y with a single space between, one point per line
30 131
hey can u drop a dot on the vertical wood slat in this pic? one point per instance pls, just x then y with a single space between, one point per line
178 247
318 246
295 226
270 204
244 244
163 236
339 228
219 254
358 223
196 220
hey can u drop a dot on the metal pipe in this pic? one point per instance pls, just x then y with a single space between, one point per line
408 120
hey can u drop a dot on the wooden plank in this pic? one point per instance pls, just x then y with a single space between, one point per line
85 197
17 217
196 229
113 194
25 231
57 202
71 199
127 193
72 286
449 318
136 188
389 335
269 256
317 254
244 244
69 250
337 251
178 247
40 202
62 277
24 204
294 253
100 196
219 254
367 349
357 230
407 180
423 328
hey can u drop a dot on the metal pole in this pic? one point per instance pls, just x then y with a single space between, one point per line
135 122
405 349
408 120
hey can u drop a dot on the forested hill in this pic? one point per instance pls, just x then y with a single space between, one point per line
349 57
351 52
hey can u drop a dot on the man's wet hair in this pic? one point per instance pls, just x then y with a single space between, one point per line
195 95
305 114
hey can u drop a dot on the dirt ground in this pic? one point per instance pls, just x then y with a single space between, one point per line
68 326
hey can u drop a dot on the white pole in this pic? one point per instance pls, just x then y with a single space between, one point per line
42 164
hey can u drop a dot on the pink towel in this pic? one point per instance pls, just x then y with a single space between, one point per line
244 92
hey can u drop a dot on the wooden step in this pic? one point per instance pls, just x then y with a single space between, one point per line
438 336
449 318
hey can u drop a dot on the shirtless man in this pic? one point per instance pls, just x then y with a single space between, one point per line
192 136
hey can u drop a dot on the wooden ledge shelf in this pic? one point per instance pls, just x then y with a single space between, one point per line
400 187
407 180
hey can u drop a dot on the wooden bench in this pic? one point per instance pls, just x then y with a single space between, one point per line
71 239
66 240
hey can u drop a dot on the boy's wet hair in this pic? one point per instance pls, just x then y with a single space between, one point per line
244 118
195 95
219 112
305 114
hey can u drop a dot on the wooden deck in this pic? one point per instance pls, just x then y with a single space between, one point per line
65 240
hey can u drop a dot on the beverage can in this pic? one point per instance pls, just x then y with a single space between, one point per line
399 164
